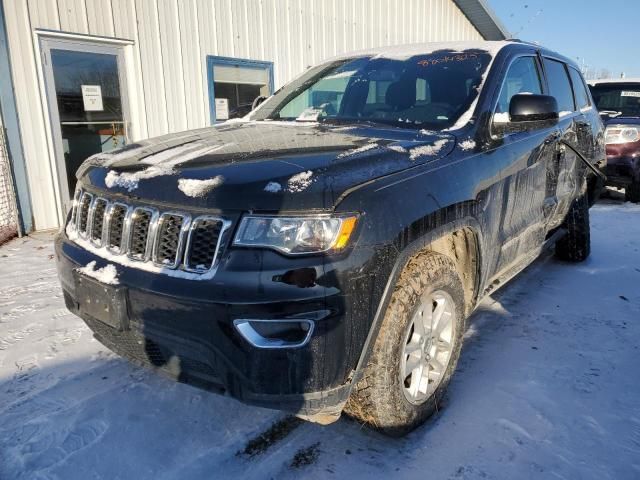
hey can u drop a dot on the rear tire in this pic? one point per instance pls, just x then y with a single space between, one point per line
390 397
632 193
575 246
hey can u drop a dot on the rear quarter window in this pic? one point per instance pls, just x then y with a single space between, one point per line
559 84
579 89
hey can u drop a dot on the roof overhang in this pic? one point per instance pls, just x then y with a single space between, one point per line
483 18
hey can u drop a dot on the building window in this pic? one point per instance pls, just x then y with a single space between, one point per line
234 84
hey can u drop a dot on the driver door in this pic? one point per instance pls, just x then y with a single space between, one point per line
529 185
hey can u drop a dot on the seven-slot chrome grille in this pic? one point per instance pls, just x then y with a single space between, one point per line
168 239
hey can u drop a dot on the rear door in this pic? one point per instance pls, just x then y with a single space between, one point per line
586 127
559 86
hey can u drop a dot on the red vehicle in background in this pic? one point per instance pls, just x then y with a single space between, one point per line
618 102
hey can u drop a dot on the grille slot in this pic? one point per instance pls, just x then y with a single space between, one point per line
139 233
83 213
97 220
75 205
202 247
169 237
115 229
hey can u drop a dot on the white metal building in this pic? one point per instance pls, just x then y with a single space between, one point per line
81 76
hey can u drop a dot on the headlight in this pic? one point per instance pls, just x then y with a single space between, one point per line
617 134
296 235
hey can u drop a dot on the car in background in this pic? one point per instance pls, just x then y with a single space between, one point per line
618 102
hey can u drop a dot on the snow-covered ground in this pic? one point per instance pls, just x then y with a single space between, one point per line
548 387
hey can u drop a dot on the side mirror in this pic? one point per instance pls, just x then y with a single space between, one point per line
527 112
533 108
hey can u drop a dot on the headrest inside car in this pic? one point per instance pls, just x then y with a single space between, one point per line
401 95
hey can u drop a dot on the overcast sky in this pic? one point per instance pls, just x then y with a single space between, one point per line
602 33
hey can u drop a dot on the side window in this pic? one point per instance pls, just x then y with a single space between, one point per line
579 89
559 85
522 77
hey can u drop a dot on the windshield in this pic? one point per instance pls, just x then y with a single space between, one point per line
427 91
620 99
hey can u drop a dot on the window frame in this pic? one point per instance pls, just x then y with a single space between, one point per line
541 78
566 71
214 60
584 87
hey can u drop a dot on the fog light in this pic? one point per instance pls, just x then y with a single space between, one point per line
293 333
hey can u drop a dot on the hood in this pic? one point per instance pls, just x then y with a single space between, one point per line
265 166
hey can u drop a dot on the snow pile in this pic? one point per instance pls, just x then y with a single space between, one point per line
546 387
193 187
397 148
273 187
428 149
501 117
107 274
424 131
358 151
467 145
300 181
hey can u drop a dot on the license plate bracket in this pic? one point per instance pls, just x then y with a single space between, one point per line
106 303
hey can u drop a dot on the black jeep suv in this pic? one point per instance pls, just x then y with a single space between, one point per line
323 253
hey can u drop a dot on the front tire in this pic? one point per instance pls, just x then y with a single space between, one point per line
416 350
575 246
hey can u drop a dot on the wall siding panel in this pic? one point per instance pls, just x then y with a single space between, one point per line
100 18
171 48
151 56
73 16
171 39
191 63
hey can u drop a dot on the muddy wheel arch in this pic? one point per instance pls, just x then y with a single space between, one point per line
460 240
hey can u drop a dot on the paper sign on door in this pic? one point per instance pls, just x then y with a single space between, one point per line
92 98
222 109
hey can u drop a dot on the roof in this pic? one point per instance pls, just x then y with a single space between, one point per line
614 80
483 18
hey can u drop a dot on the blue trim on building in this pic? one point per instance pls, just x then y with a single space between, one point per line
213 60
12 128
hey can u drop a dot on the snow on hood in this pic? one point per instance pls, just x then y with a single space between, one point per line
468 144
193 187
273 187
161 163
300 181
428 150
358 151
